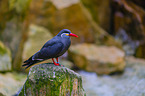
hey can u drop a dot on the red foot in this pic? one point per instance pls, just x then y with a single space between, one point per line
56 64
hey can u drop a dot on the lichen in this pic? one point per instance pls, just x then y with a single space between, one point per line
50 80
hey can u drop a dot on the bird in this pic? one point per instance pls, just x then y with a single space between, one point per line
53 48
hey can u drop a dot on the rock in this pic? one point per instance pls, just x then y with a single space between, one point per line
14 24
140 51
1 94
71 15
99 59
129 17
129 83
100 11
66 63
50 80
11 82
64 3
5 58
3 17
139 3
37 37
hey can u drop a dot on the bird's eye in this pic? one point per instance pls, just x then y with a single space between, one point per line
67 34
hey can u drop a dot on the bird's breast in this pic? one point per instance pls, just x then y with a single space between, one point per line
66 44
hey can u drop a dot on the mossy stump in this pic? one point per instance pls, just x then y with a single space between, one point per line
50 80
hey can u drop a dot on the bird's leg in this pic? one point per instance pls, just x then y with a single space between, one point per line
54 62
57 60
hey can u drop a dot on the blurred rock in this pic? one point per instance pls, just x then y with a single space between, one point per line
1 94
66 63
37 37
129 16
10 83
73 16
63 3
129 45
140 51
130 83
139 3
99 59
100 11
3 17
14 24
5 58
56 19
51 80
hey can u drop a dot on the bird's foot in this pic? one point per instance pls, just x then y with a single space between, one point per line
56 64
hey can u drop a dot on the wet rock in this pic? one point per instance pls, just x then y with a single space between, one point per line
99 59
130 83
10 83
5 58
50 80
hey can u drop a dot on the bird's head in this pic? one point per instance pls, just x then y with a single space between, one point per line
65 33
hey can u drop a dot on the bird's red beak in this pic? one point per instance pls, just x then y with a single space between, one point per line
74 35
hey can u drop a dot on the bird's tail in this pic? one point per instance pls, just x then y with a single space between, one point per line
29 62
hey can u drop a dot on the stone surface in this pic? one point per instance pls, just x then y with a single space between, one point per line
99 59
11 82
50 80
129 83
5 58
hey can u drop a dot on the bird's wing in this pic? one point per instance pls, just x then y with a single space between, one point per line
49 51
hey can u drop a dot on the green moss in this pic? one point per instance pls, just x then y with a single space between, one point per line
2 51
50 80
2 48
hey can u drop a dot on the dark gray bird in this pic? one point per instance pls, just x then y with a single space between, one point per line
53 48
